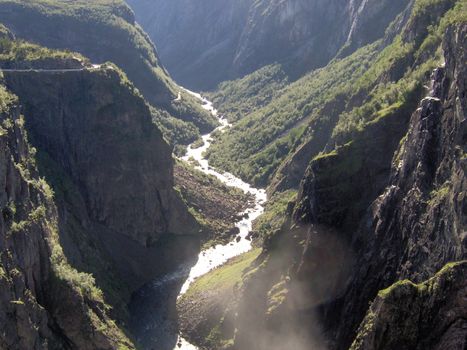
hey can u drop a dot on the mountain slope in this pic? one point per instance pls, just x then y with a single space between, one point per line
92 187
104 31
414 226
197 40
45 303
383 202
204 43
431 314
256 145
326 107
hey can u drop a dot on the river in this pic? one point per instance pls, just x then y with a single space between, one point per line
153 308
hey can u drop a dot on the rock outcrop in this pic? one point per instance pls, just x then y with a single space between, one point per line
414 228
83 33
430 315
320 129
90 212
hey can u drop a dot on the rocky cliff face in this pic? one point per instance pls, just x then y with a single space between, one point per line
44 302
85 35
110 210
100 131
411 230
197 40
93 128
227 39
320 134
416 226
381 204
429 315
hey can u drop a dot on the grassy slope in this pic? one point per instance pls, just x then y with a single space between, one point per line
241 97
214 296
225 277
261 140
274 214
345 96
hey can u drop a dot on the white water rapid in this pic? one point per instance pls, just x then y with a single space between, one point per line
218 255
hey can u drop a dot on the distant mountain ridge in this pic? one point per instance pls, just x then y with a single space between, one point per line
203 43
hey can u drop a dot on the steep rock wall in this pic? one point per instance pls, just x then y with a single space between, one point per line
228 39
416 226
111 167
196 39
429 315
44 302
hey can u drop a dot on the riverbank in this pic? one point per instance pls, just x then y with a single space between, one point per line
206 312
216 206
153 308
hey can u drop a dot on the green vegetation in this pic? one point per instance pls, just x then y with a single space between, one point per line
84 282
6 101
398 298
111 34
66 277
399 284
112 13
39 216
439 194
274 214
64 190
33 215
22 51
177 133
346 96
276 296
4 32
259 142
322 155
241 97
198 143
225 277
24 55
365 329
402 58
446 273
216 339
213 297
190 110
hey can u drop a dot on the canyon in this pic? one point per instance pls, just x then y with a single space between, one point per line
310 195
